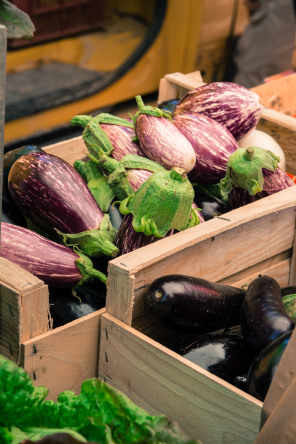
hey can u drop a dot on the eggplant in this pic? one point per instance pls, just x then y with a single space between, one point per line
55 264
232 105
121 140
225 355
264 366
160 140
212 143
263 314
65 308
51 193
251 174
192 304
273 182
210 206
8 160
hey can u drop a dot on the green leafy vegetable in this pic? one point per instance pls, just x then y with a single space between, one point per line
99 413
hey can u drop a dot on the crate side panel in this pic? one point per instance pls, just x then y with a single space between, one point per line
63 358
10 323
162 382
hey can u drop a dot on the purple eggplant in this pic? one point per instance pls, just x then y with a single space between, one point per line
127 239
11 213
160 140
191 304
263 314
226 355
230 104
210 206
121 140
274 181
212 143
52 194
55 264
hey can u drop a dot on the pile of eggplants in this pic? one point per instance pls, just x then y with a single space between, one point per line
238 334
144 178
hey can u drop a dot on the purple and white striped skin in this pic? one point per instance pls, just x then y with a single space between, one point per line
51 262
274 181
52 194
163 143
121 140
212 143
232 105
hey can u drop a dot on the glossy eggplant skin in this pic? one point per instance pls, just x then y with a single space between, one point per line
52 194
65 307
288 290
210 206
10 157
265 365
225 355
263 315
191 304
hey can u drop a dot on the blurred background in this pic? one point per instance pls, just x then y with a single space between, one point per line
89 56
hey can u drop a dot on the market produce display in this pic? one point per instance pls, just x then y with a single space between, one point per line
98 414
236 334
143 178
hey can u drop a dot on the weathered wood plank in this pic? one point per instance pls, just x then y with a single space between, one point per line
161 381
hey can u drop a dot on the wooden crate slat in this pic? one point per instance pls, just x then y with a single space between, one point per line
63 358
160 381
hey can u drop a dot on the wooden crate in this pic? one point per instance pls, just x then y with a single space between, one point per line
59 358
234 249
250 240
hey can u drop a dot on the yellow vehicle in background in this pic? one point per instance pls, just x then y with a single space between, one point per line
90 55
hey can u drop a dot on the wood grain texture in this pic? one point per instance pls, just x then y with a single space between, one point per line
240 243
63 358
3 45
24 308
161 381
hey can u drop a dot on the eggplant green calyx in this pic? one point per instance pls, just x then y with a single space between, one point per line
163 202
93 243
95 139
150 111
244 169
117 170
87 270
96 182
113 120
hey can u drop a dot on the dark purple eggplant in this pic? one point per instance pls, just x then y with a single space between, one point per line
265 365
191 304
263 314
291 289
160 140
232 105
65 308
10 157
212 143
210 206
55 264
225 355
11 214
52 194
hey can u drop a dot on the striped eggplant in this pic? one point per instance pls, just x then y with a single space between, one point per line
160 140
212 143
52 194
232 105
55 264
127 239
253 173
